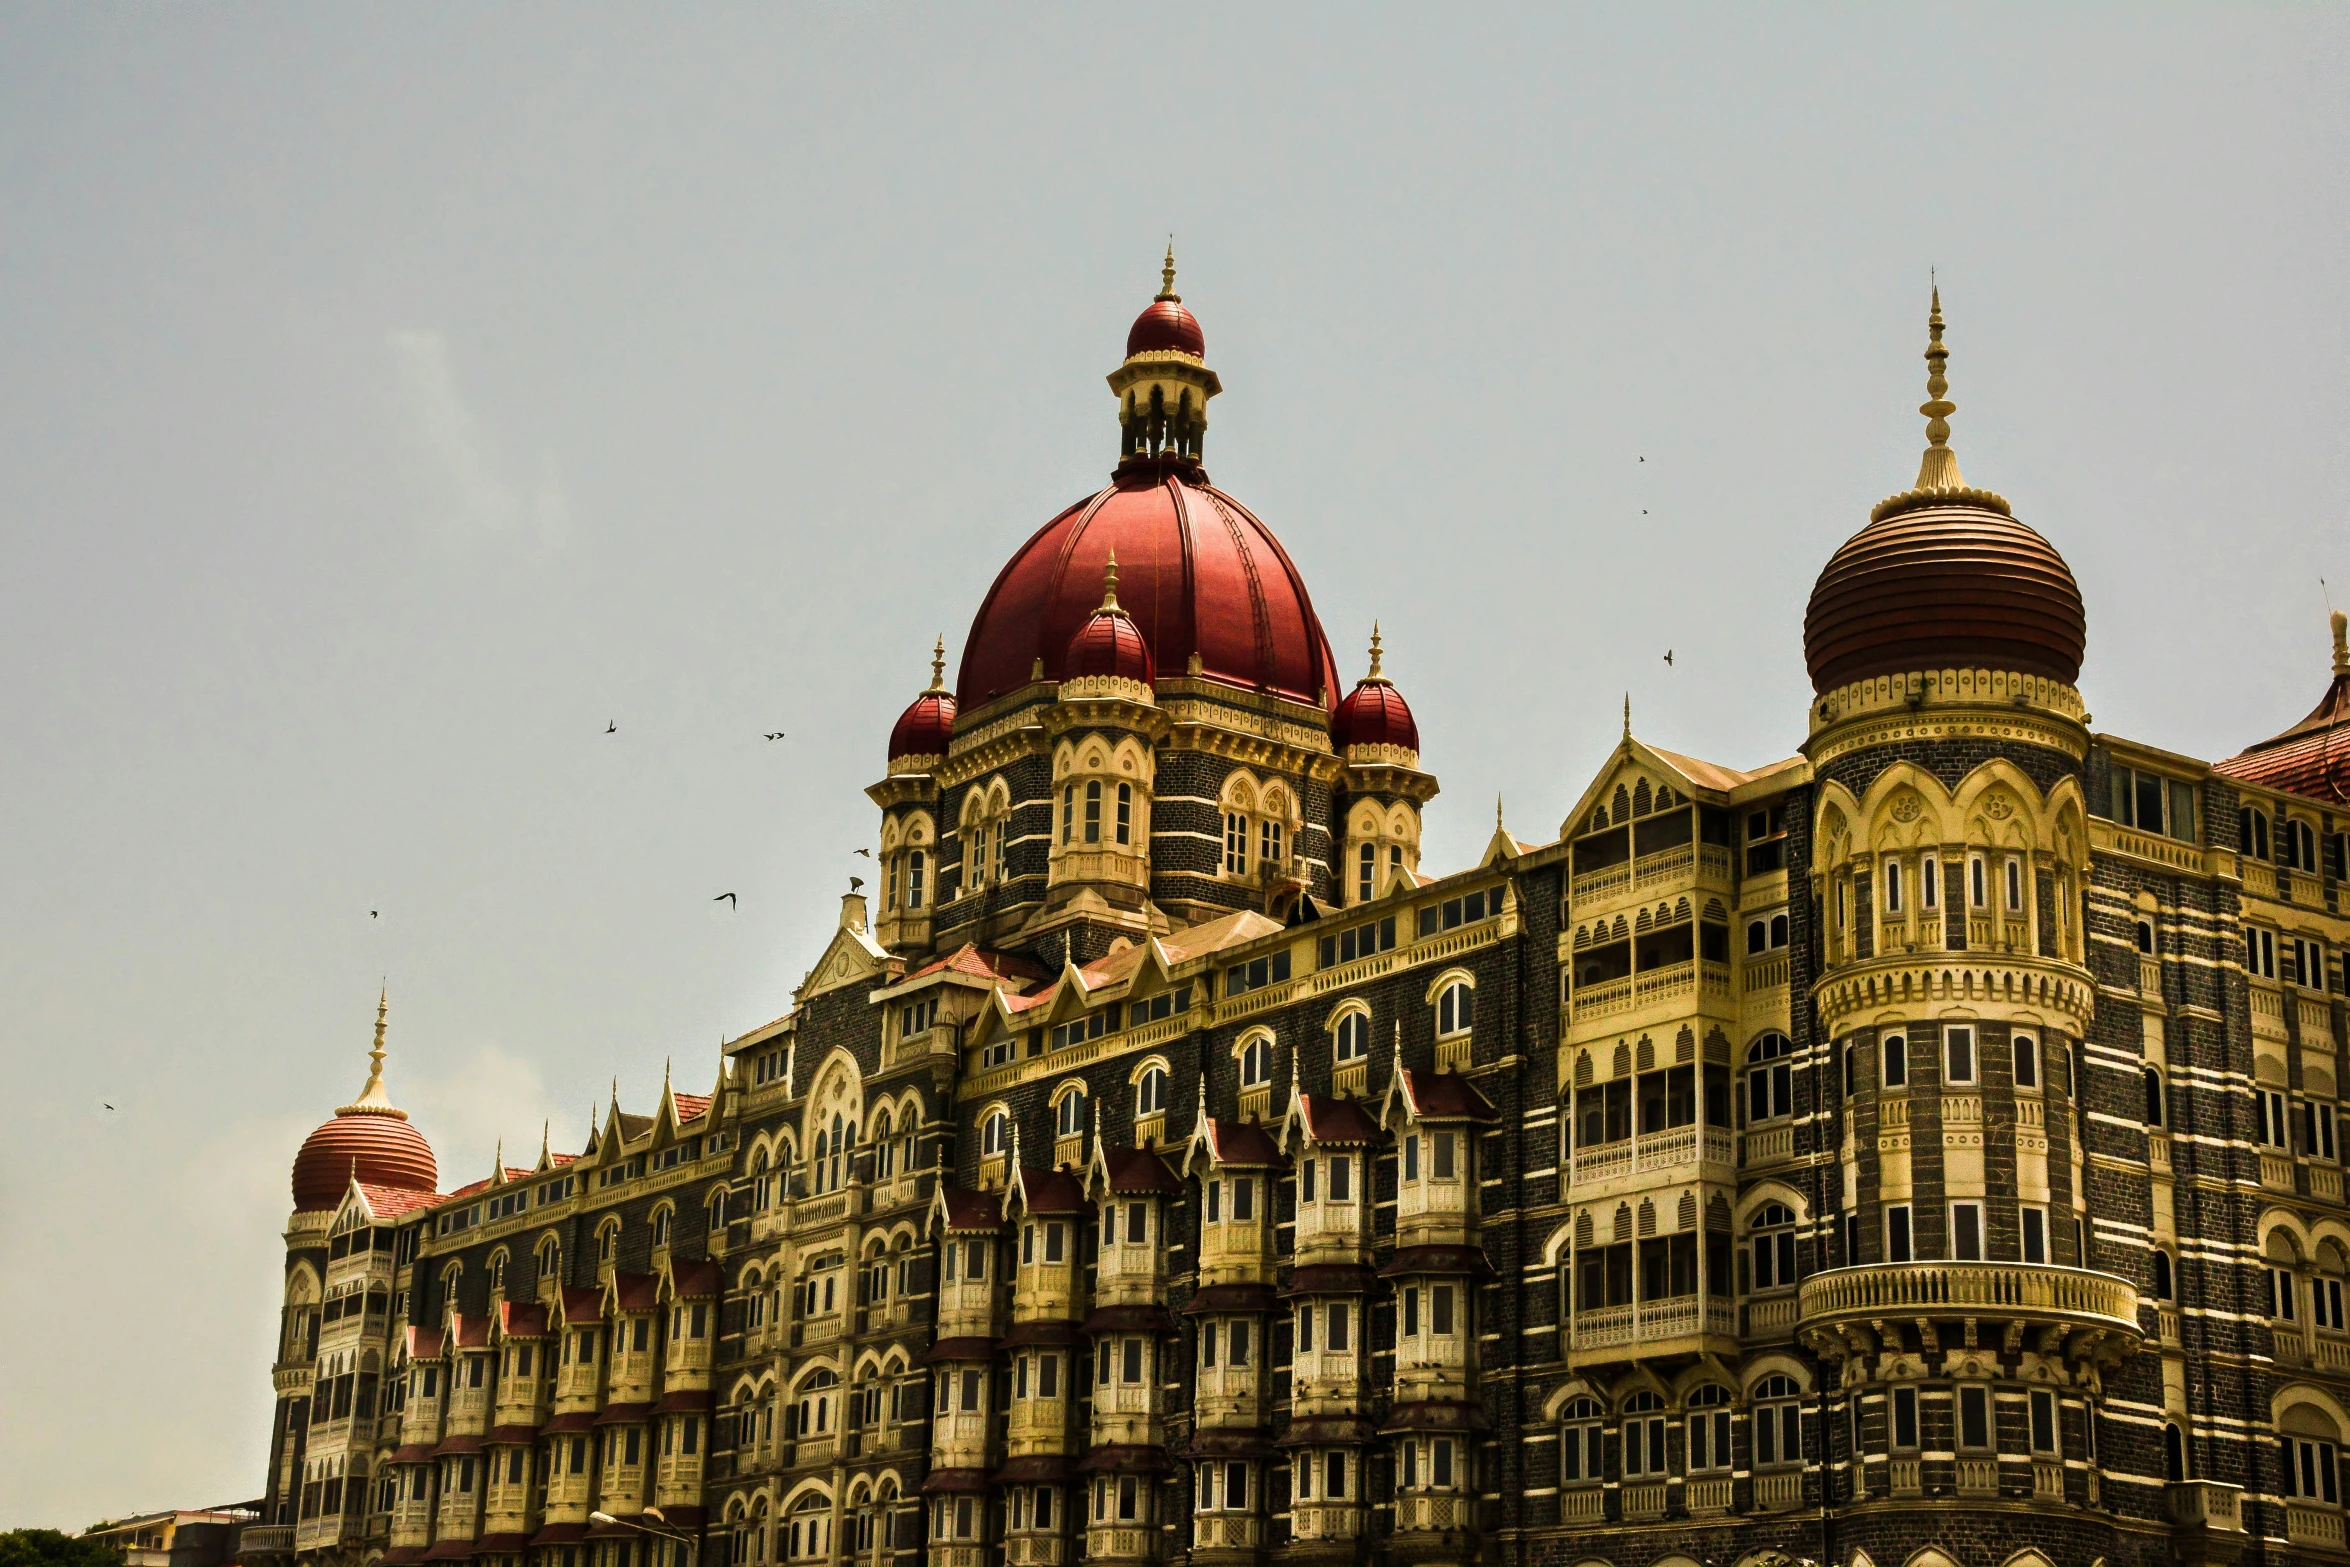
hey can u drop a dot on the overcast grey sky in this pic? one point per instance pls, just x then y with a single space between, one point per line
390 397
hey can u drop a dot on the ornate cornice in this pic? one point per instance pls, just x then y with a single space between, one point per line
1948 704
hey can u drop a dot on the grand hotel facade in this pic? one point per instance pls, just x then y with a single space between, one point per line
1921 1150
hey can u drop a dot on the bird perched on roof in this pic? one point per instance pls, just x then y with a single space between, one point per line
726 898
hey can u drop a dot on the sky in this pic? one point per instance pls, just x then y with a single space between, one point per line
391 398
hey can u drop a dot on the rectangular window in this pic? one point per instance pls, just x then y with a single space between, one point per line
1215 1202
1976 894
1442 1149
1974 1416
1966 1232
1136 1223
1959 1055
970 1392
2027 1061
1411 1311
1440 1470
1411 1158
2281 1295
1896 1061
1207 1344
1929 883
1897 1232
1440 1309
1340 1323
1052 1242
1892 886
2043 1421
1236 1343
1305 1180
1341 1178
2273 1125
1905 1418
2015 885
1130 1366
1305 1330
2035 1223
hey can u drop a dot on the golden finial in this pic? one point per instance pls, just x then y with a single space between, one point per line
1938 470
2341 643
1497 812
1167 275
373 1099
1375 673
1110 583
1627 715
938 664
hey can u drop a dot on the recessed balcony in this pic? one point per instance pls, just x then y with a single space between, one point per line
1646 1329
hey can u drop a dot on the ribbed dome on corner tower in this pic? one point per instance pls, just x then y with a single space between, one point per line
367 1139
1206 585
922 730
1375 713
1109 646
1943 577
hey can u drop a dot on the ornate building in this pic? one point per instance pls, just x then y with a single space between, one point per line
1924 1149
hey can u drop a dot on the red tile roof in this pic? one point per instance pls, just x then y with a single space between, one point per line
1052 1191
971 1210
691 1107
1337 1120
1135 1171
637 1291
2311 759
1446 1096
697 1280
1235 1142
425 1343
518 1319
582 1306
473 1331
395 1202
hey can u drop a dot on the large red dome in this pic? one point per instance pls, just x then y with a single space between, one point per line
382 1148
1197 571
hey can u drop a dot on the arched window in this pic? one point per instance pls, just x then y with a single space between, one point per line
1773 1229
1125 833
1770 1079
1093 811
884 1151
608 1240
2153 1081
2252 832
1778 1422
1235 844
2163 1282
1366 870
1758 937
717 1209
1643 1442
917 869
1069 1114
1256 1062
1351 1040
550 1257
2146 937
2174 1453
1455 1009
1068 814
661 1219
759 1180
498 1270
996 1134
2027 1061
1150 1095
1582 1458
1896 1062
1708 1429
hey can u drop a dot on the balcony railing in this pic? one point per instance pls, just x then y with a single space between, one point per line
258 1538
1644 1322
1970 1288
2209 1504
2307 1524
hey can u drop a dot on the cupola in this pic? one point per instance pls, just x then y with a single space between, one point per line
1164 386
918 741
1943 578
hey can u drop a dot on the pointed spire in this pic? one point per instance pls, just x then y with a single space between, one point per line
1938 469
546 1148
938 666
1377 676
2341 643
1627 715
1497 811
1167 275
1109 585
373 1098
498 1160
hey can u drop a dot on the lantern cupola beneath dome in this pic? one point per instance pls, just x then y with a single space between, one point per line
1164 386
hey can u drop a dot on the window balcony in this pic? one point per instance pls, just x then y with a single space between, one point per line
1443 1512
1676 1151
2307 1523
2206 1504
1778 1490
1843 1301
1675 1324
1339 1520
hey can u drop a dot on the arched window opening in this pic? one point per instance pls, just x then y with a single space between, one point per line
1770 1079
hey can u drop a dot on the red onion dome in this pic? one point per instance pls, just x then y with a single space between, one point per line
1164 325
1109 646
1943 577
1375 713
923 729
367 1139
1210 590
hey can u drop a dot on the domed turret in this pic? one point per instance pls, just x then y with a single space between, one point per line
1943 577
1165 327
1108 652
918 740
2312 758
368 1139
1374 719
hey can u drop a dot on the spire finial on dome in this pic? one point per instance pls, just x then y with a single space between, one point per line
1110 583
1627 715
373 1099
1167 275
938 664
1938 469
1375 673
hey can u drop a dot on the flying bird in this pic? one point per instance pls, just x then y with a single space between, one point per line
1668 655
868 853
726 898
103 1102
613 727
777 735
1644 459
856 884
375 914
1643 511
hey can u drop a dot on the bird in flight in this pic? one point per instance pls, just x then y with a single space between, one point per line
726 898
1668 655
103 1102
777 735
375 914
612 727
856 884
868 853
1644 459
1643 511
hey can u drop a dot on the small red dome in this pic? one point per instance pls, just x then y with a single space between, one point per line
1109 646
923 728
380 1147
1197 573
1375 713
1164 324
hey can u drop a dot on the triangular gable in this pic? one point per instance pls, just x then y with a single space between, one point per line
1135 1171
965 1213
852 957
1414 1096
1221 1143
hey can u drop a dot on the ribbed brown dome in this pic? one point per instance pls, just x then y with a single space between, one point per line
1944 582
380 1149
